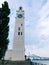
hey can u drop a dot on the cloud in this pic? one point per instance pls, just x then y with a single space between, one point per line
30 49
38 38
43 27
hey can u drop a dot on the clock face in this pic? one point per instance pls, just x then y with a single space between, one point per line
20 15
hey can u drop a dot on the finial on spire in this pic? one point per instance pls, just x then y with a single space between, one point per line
20 8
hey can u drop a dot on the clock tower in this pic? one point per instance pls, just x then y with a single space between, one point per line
18 43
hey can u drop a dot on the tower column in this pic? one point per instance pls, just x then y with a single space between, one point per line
18 43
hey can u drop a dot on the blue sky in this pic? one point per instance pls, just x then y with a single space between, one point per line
36 25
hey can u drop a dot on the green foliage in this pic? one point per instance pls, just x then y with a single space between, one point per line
4 28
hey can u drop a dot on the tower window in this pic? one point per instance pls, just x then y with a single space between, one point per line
18 33
21 33
21 24
19 28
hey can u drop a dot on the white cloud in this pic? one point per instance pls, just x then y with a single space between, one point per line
43 24
43 52
41 34
43 27
44 11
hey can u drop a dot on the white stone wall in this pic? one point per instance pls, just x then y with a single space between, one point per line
8 55
14 55
18 55
18 44
19 39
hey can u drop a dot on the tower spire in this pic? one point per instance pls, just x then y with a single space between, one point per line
20 8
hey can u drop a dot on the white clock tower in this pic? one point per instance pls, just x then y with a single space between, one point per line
18 44
18 51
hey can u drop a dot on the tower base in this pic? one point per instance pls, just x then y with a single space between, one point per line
14 55
18 63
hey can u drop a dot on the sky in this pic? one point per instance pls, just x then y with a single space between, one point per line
36 25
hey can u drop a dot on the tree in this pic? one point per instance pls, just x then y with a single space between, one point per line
4 28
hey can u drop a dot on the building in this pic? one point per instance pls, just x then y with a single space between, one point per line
17 53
